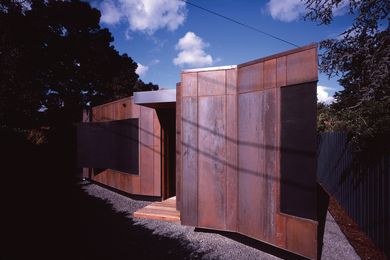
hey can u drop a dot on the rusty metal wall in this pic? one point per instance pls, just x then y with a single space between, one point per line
230 149
178 149
148 182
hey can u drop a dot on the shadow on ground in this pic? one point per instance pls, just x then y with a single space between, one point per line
46 214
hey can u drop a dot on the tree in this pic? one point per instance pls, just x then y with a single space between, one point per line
361 57
55 57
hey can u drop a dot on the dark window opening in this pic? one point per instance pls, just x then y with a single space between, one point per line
298 194
109 145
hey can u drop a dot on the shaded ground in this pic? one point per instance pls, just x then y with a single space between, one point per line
364 247
209 245
47 214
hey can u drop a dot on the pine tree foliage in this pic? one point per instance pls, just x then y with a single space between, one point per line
55 57
360 56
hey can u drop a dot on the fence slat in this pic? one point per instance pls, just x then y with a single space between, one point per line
362 191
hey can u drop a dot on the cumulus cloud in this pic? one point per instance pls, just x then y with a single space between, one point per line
141 69
285 10
144 15
291 10
192 52
110 13
323 96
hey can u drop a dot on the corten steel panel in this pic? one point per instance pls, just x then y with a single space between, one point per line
298 150
231 81
250 78
302 236
232 162
212 160
189 149
256 174
190 81
252 151
123 109
281 72
157 155
178 148
302 67
147 134
147 150
251 165
211 83
270 158
270 74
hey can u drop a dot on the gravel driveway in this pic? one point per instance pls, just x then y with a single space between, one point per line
167 240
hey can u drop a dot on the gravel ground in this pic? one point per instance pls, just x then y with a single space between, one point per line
209 245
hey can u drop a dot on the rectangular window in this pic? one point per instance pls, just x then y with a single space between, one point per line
298 194
109 145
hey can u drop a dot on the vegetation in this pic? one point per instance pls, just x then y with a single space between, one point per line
361 57
55 60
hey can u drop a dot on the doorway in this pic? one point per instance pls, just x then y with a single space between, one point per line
167 117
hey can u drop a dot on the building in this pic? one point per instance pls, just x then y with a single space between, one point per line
236 145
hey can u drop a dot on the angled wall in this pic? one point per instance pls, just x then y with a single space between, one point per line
148 179
247 152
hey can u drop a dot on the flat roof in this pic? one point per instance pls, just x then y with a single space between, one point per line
210 68
155 98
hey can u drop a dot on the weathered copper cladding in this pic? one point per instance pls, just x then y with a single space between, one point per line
178 149
230 149
148 182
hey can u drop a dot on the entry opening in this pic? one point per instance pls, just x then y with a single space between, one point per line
167 118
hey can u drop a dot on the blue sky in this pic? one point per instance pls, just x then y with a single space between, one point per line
166 36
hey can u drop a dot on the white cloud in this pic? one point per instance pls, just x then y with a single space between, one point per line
285 10
192 52
141 69
155 62
144 15
291 10
323 96
110 13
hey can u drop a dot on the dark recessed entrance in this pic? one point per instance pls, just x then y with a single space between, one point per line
167 119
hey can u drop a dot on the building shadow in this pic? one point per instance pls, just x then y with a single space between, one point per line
47 215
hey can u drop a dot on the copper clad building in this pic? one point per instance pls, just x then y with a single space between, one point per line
236 145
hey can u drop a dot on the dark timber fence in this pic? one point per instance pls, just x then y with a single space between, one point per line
362 191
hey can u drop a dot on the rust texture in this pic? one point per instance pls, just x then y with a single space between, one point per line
178 149
148 182
230 149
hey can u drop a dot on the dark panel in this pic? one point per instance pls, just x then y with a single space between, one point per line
298 150
109 145
212 158
189 149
